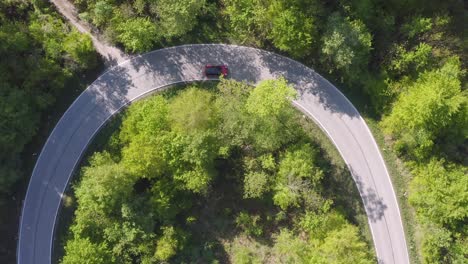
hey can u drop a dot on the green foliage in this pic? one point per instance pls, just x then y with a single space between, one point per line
343 246
168 244
101 12
270 114
319 225
137 34
196 180
236 122
332 240
429 105
297 174
416 26
255 184
80 47
164 159
299 163
346 45
249 224
270 97
192 111
103 190
440 193
243 18
289 248
50 32
10 172
435 242
393 51
441 245
34 68
242 254
81 250
412 61
176 18
258 175
339 244
140 25
145 155
97 193
147 117
291 30
289 25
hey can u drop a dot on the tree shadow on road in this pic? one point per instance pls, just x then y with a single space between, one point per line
373 203
307 81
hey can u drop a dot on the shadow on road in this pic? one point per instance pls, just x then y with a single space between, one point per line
307 81
373 204
111 88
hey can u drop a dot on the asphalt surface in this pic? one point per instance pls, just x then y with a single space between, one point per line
150 72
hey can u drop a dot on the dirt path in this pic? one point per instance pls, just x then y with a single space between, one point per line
111 54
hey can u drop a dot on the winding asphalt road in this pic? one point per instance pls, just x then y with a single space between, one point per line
150 72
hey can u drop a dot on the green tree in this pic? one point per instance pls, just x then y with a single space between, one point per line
255 184
258 175
137 34
102 11
82 250
103 190
416 26
249 224
440 193
344 246
242 254
289 248
244 18
413 61
176 18
147 117
289 25
436 243
269 107
145 155
292 30
80 47
346 46
168 244
50 32
192 111
128 241
319 224
33 71
429 105
296 174
235 121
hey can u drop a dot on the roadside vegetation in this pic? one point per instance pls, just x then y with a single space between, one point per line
43 62
39 54
402 63
208 176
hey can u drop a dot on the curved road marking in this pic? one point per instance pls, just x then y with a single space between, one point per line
134 78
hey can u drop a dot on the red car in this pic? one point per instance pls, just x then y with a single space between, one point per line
216 70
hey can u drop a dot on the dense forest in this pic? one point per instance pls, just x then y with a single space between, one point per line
39 53
204 176
401 62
